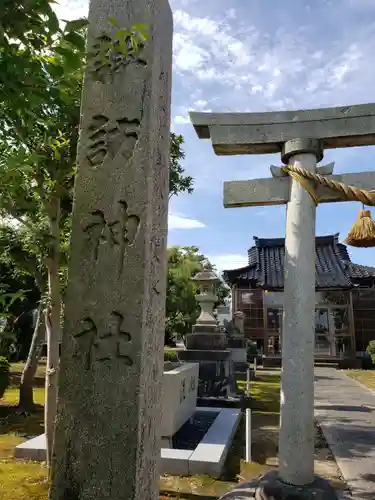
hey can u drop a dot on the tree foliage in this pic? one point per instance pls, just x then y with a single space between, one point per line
19 294
41 70
178 182
37 60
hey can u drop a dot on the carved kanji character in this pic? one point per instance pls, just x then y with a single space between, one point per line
112 342
106 137
183 391
119 232
107 58
90 333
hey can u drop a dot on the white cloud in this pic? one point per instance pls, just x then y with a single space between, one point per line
178 221
228 261
275 70
181 119
200 103
184 119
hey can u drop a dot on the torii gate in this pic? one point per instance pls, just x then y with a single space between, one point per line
301 137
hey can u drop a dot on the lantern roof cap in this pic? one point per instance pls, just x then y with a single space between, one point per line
206 275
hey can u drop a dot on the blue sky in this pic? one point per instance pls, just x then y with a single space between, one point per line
261 55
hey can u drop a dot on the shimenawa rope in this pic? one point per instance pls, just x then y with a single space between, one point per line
362 232
349 193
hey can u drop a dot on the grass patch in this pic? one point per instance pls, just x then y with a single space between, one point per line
366 377
17 369
22 481
11 396
265 392
19 479
265 415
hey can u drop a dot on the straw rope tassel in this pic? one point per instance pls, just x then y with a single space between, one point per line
362 232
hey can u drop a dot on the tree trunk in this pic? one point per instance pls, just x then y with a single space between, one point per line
52 331
31 365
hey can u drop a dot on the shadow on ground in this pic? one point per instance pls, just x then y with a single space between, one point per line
322 377
362 409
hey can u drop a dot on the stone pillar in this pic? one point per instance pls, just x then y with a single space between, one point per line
107 443
296 447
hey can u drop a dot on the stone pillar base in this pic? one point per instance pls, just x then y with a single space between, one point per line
270 487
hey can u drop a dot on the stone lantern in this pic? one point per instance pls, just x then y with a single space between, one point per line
206 345
206 334
207 282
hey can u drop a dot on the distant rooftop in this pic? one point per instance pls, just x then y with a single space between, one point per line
334 268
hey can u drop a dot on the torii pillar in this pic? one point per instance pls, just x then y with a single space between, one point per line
301 137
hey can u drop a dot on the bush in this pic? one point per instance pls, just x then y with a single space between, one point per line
371 350
170 355
4 375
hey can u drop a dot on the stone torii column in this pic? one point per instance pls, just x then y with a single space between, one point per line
301 137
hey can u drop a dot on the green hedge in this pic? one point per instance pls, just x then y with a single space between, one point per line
170 355
4 375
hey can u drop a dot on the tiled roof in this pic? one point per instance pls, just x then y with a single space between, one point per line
333 266
358 272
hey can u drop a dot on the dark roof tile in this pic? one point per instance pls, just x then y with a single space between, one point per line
333 266
356 271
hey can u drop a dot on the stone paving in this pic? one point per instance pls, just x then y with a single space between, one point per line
346 413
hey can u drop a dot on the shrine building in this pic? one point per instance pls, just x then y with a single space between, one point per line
345 300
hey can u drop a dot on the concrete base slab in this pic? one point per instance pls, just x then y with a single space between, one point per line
208 457
33 449
210 454
175 462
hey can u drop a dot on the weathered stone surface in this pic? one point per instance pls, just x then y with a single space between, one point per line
179 397
263 133
194 355
296 441
302 146
107 442
270 487
214 341
276 191
216 375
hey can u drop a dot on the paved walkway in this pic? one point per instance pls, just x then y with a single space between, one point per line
346 414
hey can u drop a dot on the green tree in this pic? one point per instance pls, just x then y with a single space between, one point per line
27 28
22 269
41 69
182 309
37 157
178 182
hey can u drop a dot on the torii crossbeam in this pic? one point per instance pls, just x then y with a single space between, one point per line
262 133
301 137
276 191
